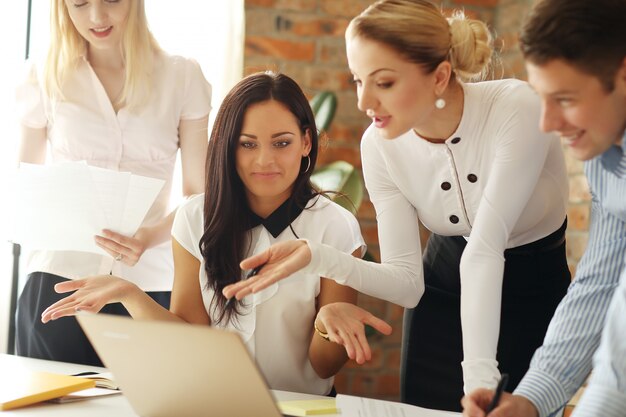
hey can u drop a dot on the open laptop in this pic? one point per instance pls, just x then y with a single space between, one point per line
176 369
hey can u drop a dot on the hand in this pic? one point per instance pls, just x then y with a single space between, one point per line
279 260
91 295
345 325
123 248
476 402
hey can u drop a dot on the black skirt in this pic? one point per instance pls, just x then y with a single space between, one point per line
62 339
536 278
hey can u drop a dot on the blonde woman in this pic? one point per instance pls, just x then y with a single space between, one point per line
468 161
107 94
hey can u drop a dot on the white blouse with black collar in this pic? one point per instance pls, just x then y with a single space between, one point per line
497 180
277 324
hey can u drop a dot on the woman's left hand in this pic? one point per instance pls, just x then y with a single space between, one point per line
123 248
345 325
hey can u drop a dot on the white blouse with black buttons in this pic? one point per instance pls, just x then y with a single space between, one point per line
497 180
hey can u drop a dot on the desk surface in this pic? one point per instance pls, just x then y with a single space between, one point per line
111 406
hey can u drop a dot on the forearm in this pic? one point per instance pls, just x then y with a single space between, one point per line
141 306
327 358
399 282
158 233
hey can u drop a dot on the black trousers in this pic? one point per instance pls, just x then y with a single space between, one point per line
536 278
62 339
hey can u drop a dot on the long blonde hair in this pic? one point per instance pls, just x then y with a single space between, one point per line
418 31
67 47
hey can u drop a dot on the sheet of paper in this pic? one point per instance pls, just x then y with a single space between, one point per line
366 407
62 207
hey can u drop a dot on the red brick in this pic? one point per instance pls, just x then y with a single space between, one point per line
369 230
373 250
366 211
305 25
575 245
340 153
578 217
260 3
363 384
251 69
374 305
341 382
341 132
388 385
344 8
329 78
574 166
392 361
279 48
395 312
578 189
482 3
300 5
303 5
333 51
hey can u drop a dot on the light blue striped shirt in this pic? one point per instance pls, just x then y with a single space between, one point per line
561 365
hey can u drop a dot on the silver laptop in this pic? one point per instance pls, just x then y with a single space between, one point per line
176 369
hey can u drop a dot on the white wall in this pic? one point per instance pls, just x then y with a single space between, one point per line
12 45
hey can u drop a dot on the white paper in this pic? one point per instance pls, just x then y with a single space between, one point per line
62 207
366 407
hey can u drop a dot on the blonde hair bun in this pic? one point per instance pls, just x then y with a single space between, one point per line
471 47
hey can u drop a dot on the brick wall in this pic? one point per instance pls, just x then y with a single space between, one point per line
304 39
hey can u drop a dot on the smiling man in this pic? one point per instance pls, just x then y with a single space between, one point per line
576 62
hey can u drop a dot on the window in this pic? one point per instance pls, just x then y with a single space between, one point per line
209 31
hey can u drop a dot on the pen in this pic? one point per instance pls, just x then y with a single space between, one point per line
248 275
499 390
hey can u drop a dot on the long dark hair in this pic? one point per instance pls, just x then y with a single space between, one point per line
226 209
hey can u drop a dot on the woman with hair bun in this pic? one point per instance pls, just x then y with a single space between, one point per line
468 160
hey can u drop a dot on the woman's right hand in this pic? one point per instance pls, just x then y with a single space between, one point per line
278 261
91 295
344 323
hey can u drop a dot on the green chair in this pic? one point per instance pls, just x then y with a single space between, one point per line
324 105
340 178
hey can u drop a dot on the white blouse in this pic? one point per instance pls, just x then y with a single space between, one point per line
497 180
84 126
277 323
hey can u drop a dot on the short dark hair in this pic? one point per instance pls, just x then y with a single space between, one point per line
590 35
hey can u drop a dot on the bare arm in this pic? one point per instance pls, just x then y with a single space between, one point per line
32 147
93 293
327 358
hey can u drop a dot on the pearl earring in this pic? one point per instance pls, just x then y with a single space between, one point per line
440 103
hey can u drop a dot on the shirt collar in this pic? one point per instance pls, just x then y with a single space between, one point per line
613 159
279 220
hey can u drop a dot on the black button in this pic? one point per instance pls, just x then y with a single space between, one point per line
456 140
454 219
445 186
472 178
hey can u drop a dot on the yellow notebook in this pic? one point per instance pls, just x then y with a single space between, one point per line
308 407
28 388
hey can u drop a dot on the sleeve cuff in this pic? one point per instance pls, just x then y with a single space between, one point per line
543 390
480 373
601 401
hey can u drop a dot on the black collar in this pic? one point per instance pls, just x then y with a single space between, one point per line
280 218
